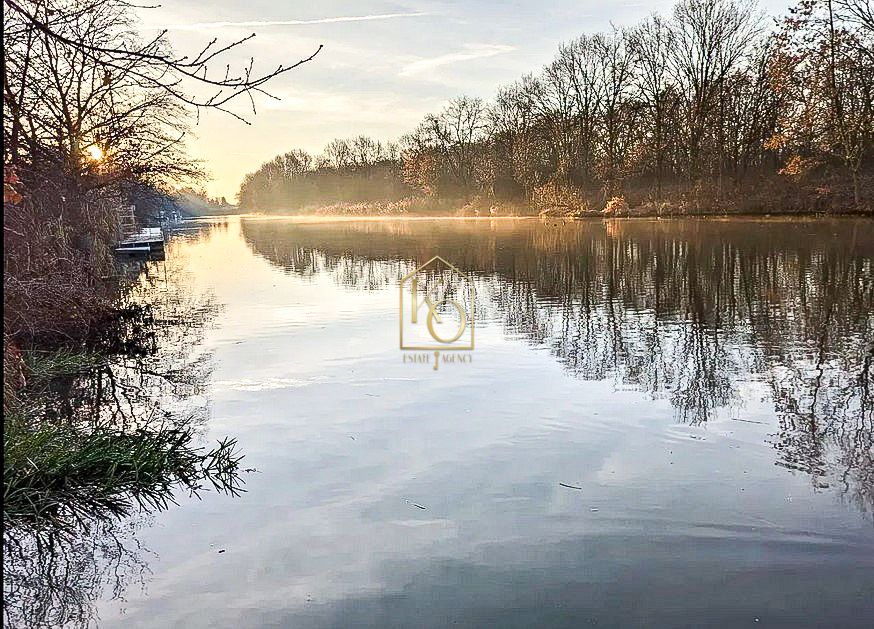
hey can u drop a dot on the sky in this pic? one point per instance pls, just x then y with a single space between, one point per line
384 65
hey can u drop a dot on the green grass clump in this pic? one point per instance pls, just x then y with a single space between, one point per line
51 471
42 367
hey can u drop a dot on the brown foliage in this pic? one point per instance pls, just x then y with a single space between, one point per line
707 111
57 250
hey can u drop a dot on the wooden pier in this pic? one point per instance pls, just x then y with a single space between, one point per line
135 241
147 242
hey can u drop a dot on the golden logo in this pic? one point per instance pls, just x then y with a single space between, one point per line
436 311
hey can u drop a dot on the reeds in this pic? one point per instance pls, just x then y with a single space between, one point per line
53 472
66 467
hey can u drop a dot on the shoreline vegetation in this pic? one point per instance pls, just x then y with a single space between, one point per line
478 208
709 109
85 433
95 117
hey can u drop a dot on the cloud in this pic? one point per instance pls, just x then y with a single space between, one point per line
469 51
366 109
325 20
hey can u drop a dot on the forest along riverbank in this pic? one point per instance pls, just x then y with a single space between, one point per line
703 109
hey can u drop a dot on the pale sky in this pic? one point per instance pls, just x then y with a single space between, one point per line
384 65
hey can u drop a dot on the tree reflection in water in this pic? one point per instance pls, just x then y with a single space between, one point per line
53 577
143 379
703 313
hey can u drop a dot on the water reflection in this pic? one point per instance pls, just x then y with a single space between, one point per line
147 365
703 313
53 578
135 392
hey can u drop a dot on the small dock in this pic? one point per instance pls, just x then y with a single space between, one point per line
136 241
148 241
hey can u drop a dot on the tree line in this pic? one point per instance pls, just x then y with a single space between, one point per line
713 108
348 170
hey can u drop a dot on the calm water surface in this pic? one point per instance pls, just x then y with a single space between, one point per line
665 423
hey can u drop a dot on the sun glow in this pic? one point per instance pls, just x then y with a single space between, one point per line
95 152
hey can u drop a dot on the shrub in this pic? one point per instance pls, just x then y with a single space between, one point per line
616 206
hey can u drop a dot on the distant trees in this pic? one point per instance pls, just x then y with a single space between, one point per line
441 155
707 110
712 44
356 169
518 156
652 45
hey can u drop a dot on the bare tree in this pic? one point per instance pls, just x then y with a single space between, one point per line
710 39
95 123
153 61
337 154
453 135
513 128
651 44
619 111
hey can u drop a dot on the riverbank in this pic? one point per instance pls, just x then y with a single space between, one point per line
570 204
92 427
422 206
498 210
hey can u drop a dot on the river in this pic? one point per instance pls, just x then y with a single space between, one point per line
663 423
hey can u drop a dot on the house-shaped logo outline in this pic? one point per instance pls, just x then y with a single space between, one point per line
471 317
